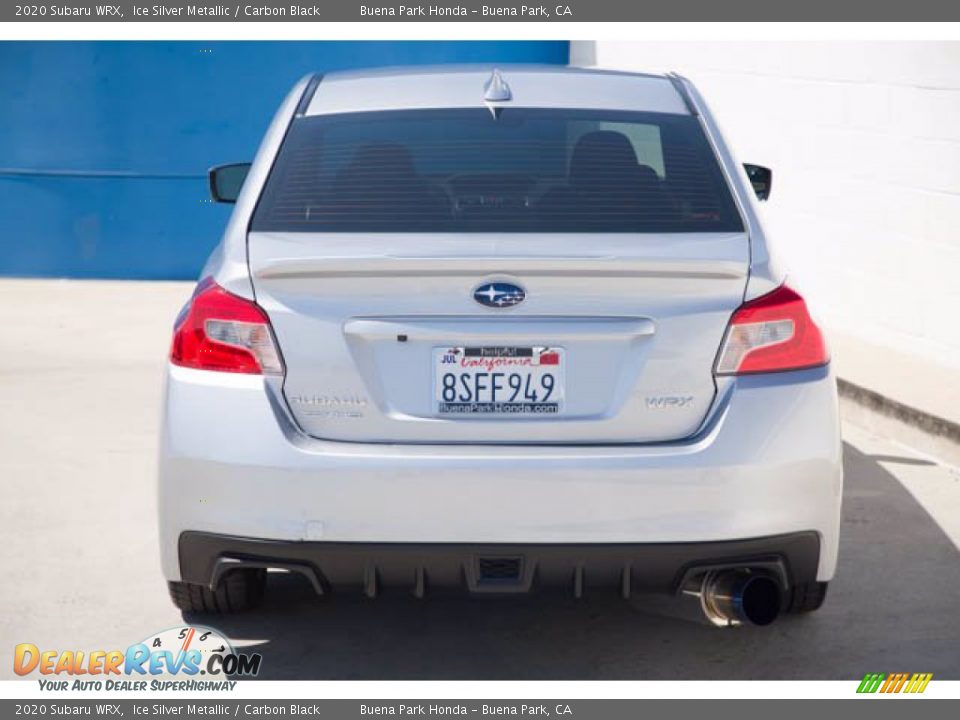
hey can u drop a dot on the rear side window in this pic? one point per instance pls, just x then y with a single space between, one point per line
521 170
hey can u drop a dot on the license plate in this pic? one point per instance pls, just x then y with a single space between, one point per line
498 380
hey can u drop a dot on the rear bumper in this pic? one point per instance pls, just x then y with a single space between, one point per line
497 568
233 464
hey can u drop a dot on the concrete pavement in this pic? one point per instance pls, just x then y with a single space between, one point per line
900 394
80 387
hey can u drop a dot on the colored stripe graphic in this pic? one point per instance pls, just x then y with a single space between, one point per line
918 683
894 683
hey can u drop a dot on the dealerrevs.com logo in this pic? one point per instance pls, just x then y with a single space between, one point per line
179 658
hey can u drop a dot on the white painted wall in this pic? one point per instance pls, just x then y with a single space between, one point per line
864 141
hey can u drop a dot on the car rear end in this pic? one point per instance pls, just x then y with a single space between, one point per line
498 331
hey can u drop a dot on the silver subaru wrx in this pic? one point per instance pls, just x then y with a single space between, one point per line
499 330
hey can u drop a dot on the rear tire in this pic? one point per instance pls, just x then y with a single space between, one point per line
806 597
239 590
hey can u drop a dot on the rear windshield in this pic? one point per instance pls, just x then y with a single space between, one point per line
521 170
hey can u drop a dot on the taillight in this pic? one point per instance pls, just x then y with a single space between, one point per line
772 333
220 331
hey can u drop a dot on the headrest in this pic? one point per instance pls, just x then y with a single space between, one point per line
601 155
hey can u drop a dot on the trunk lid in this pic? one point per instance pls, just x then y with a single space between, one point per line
637 318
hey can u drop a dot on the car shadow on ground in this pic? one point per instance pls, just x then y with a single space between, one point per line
891 608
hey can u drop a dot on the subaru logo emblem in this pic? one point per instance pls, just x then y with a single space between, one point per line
499 295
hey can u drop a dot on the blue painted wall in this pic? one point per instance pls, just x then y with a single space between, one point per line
104 146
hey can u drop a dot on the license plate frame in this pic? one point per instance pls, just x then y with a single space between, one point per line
532 381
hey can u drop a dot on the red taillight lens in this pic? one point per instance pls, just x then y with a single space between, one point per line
220 331
772 333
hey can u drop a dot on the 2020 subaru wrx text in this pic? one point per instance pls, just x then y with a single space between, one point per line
499 329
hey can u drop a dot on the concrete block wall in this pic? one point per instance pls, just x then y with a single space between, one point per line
864 141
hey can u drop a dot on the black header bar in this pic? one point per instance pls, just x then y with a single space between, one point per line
489 11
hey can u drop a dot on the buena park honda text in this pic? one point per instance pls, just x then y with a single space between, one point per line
499 330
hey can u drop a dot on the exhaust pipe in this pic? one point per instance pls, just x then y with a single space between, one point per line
735 597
